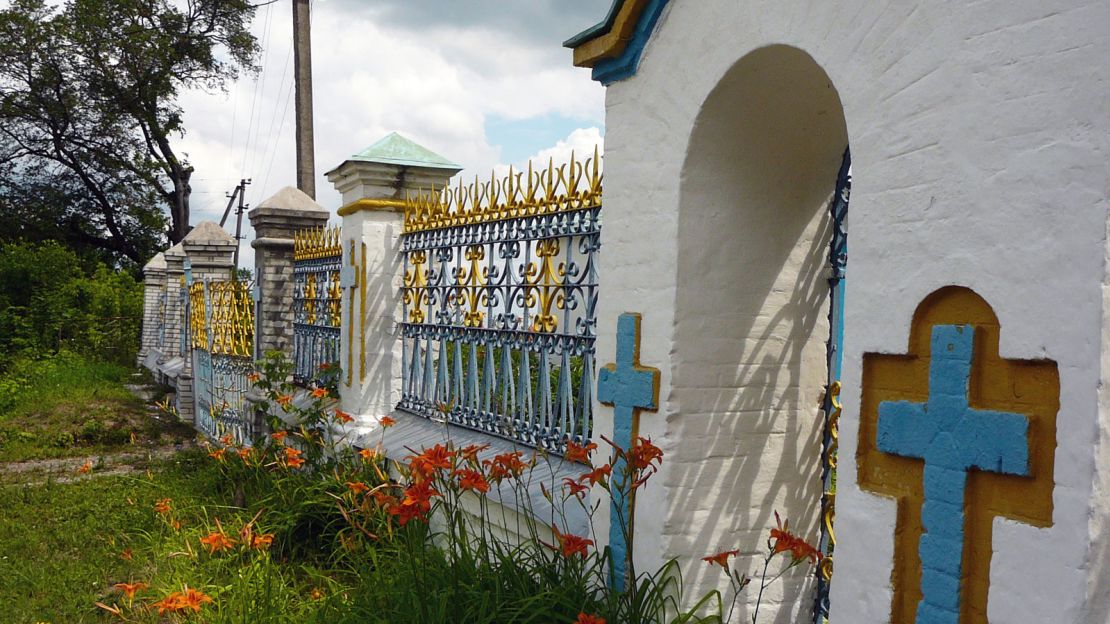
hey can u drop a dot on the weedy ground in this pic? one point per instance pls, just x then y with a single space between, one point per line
68 405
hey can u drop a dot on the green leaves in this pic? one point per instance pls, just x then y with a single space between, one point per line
88 105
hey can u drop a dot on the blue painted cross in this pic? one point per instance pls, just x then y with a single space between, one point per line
951 438
629 388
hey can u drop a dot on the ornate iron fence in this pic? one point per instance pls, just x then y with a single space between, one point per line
221 330
499 297
317 259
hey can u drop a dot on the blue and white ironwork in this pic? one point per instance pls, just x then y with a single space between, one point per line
316 303
499 305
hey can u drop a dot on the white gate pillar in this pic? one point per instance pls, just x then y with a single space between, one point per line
374 185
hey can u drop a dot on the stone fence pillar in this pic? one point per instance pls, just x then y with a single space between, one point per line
154 286
174 313
374 184
275 220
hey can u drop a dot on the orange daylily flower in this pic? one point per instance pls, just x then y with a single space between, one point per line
472 480
279 436
386 421
180 601
578 453
217 542
163 506
292 458
262 541
720 558
85 468
245 453
284 399
786 541
570 544
575 488
226 439
126 555
470 451
129 589
357 487
589 619
368 454
253 377
416 503
343 417
644 454
431 460
319 393
218 455
505 465
194 599
597 475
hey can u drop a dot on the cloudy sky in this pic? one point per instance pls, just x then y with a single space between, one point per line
485 83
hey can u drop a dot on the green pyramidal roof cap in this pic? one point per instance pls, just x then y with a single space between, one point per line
395 149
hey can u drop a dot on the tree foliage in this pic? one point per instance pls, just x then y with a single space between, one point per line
51 299
89 114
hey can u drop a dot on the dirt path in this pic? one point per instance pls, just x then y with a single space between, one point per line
67 469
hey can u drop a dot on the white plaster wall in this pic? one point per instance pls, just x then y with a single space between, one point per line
979 140
376 389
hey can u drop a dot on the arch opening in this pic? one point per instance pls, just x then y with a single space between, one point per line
752 313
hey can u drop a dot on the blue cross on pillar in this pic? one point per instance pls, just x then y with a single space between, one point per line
629 388
951 438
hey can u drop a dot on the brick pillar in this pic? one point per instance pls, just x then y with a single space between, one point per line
211 252
154 284
374 184
274 222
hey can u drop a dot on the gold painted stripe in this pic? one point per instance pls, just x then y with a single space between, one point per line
350 321
394 205
362 317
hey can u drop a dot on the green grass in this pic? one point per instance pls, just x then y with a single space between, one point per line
69 405
62 544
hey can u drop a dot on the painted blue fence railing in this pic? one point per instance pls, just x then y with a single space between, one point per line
499 296
317 259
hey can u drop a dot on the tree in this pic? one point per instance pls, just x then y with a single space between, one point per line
89 113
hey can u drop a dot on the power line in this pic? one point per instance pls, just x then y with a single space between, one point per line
254 99
271 138
281 126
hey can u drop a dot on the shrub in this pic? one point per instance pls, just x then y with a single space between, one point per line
50 299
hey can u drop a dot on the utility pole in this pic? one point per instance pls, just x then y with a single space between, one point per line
240 193
302 80
239 226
